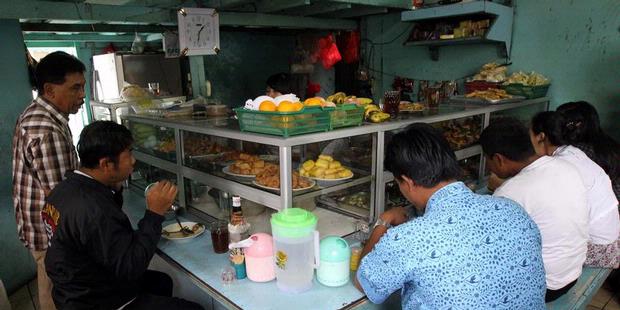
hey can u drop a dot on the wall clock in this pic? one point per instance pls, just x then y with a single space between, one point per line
199 31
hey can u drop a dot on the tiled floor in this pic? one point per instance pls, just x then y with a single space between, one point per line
26 298
605 299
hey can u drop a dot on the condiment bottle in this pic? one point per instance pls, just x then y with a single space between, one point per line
238 230
356 253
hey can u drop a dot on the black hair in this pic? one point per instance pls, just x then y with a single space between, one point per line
583 128
280 82
421 153
509 137
102 139
54 67
552 124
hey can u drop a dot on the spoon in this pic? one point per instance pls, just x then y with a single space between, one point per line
184 230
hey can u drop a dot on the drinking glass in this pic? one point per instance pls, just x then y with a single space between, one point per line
391 99
219 236
154 88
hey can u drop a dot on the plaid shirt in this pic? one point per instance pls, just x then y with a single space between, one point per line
42 152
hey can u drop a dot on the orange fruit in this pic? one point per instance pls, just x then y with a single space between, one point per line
287 106
267 106
314 101
298 106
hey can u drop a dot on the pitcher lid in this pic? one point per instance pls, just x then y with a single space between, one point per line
294 218
334 249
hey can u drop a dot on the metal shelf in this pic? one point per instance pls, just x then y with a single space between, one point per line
500 31
461 41
460 154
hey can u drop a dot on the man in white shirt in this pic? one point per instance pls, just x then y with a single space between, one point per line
552 193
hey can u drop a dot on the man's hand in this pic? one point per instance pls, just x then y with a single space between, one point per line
161 196
395 216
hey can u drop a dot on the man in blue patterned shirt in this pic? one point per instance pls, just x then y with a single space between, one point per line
467 251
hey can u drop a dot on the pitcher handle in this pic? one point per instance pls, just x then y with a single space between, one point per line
317 255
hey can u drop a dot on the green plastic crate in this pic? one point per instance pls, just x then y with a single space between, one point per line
529 92
346 115
310 119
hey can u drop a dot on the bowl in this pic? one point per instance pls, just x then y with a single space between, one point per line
217 110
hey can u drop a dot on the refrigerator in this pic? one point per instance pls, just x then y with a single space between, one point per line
110 71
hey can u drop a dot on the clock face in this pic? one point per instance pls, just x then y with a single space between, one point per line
198 31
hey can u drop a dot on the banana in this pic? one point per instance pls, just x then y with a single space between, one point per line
378 117
370 108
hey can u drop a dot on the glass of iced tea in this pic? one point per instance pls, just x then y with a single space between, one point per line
219 236
391 99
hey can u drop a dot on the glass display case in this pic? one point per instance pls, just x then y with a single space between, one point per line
114 109
338 175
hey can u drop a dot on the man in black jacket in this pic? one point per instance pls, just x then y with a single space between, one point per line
95 258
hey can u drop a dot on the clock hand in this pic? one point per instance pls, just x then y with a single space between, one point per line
203 27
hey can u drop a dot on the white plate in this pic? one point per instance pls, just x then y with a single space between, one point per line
270 158
226 170
175 231
332 180
312 183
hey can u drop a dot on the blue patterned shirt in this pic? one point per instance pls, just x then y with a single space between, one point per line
468 251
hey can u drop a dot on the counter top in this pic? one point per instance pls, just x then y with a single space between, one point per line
196 258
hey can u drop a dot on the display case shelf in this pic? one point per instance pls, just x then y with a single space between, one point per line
294 150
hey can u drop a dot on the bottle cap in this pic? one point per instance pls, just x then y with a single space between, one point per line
236 201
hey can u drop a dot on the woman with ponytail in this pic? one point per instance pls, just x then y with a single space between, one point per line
548 135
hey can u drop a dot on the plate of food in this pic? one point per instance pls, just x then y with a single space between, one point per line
332 179
302 187
227 170
406 106
325 168
190 230
270 179
491 95
247 166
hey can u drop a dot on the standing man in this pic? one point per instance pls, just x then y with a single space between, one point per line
467 251
43 151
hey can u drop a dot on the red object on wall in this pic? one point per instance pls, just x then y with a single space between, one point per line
352 47
110 48
312 89
329 53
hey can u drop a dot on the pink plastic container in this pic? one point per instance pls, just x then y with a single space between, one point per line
259 261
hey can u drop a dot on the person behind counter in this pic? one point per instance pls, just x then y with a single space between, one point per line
467 251
95 258
546 134
278 84
550 189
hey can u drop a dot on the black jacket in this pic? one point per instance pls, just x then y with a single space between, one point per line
95 258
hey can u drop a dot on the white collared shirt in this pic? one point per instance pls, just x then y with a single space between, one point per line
552 193
602 203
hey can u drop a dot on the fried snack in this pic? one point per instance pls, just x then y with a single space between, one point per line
270 177
325 167
248 165
410 107
489 94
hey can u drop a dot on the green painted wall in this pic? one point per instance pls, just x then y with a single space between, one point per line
245 61
16 265
574 43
